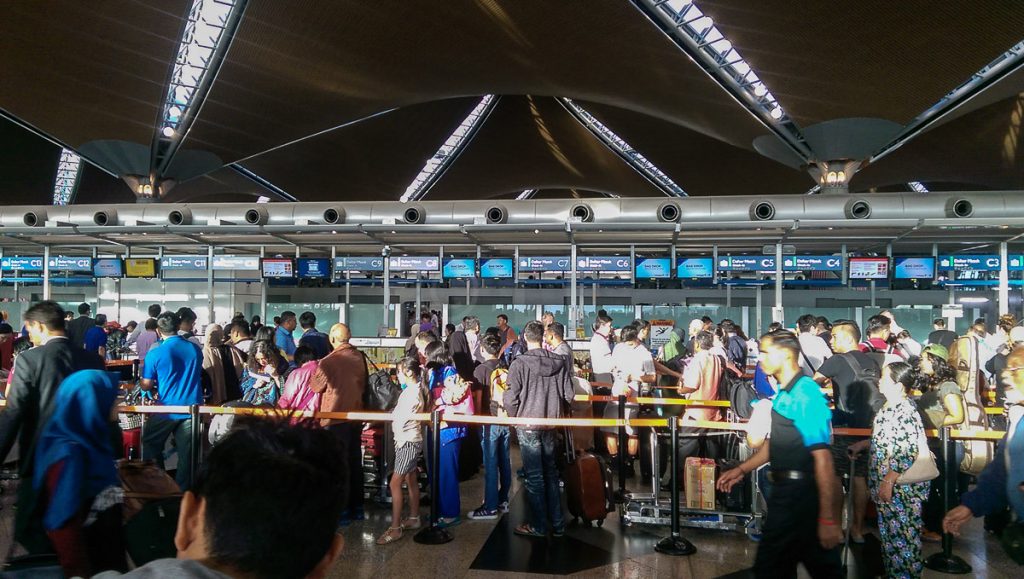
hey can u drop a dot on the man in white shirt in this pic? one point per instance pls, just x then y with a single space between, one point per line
814 350
601 350
632 367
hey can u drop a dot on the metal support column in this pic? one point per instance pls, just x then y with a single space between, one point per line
777 312
714 264
263 289
758 306
846 268
46 272
209 284
1004 280
387 287
573 302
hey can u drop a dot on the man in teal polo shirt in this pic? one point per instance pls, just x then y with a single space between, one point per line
802 525
174 370
283 335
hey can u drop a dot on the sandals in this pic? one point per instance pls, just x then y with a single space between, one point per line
411 523
526 530
390 536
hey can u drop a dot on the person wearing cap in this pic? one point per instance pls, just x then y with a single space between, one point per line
941 404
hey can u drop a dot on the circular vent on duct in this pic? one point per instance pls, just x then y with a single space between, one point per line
960 208
582 212
497 214
669 213
858 210
333 215
104 218
763 211
414 215
256 217
34 218
179 217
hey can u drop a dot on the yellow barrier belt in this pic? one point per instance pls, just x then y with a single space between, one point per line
656 401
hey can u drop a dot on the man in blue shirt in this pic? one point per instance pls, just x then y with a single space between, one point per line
312 338
96 337
283 335
174 369
802 522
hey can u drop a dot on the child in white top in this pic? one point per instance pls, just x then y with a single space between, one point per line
408 449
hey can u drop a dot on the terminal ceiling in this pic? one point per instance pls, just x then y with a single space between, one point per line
345 100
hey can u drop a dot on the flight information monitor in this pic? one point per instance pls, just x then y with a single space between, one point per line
459 268
497 268
913 268
140 267
695 268
654 268
277 268
108 267
869 268
313 267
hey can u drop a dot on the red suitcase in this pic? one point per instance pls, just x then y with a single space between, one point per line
588 490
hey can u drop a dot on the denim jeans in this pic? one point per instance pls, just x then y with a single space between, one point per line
156 430
494 441
538 451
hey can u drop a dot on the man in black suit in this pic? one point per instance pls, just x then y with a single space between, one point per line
37 374
77 327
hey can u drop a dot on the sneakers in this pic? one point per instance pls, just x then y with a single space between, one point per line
448 522
482 514
503 507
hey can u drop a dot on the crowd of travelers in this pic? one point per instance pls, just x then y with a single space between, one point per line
803 382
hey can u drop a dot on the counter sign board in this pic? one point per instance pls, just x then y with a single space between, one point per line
746 263
970 262
812 263
408 263
603 263
235 262
183 262
562 263
26 264
363 264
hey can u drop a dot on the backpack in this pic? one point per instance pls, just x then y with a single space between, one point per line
382 392
498 382
517 349
738 392
868 378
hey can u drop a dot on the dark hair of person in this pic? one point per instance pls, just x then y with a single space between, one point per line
629 333
101 320
410 365
241 327
256 320
939 323
185 314
877 324
533 332
132 324
154 310
449 328
438 356
774 327
168 323
848 326
704 339
903 373
471 324
426 337
601 320
557 329
493 331
277 320
151 325
264 334
307 320
48 313
304 354
20 344
784 340
806 322
1007 322
84 308
942 371
823 322
491 344
641 324
250 466
288 315
503 317
268 350
425 316
707 319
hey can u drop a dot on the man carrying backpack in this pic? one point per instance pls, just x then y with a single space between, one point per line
854 376
494 439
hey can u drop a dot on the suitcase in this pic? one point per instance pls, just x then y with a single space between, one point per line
588 489
152 501
736 500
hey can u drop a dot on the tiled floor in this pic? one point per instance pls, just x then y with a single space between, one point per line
718 553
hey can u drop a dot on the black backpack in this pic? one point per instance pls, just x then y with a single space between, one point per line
739 392
868 396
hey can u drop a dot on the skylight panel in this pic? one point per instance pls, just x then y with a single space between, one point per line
631 155
450 149
917 187
68 169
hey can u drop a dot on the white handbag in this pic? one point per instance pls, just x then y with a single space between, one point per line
924 467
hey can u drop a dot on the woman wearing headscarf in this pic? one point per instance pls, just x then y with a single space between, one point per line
75 478
223 363
265 374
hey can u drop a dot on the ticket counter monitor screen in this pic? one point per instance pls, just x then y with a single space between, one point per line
869 268
914 268
140 267
107 267
277 268
497 268
313 267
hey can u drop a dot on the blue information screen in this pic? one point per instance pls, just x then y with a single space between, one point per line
313 268
497 268
459 267
71 264
591 263
654 268
107 267
914 268
21 264
695 268
970 262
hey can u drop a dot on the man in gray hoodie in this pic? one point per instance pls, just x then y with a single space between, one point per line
539 386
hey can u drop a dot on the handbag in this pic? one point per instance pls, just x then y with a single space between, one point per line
924 467
382 392
1013 542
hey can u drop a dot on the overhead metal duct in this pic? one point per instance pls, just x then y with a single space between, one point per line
669 212
105 217
582 212
34 218
180 216
496 214
414 214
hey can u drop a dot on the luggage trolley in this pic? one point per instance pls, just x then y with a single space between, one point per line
653 509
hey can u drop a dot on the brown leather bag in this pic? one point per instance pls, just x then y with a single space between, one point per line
588 489
143 481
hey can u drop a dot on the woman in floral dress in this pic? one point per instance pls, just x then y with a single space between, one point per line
894 447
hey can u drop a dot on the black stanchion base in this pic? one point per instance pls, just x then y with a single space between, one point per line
676 546
621 496
952 564
432 536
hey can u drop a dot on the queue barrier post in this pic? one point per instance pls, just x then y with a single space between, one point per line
197 445
433 534
946 561
675 544
621 495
